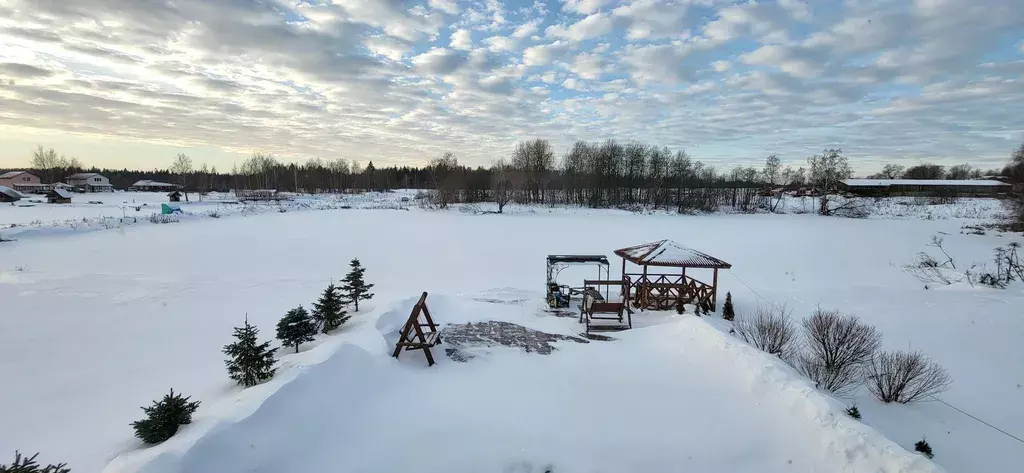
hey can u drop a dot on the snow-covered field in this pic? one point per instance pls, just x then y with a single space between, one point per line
94 326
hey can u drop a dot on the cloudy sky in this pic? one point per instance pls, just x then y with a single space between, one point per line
133 82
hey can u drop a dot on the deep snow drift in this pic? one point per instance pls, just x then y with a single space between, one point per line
681 396
94 326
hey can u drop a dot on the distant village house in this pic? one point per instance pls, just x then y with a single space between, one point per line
58 196
90 182
10 195
925 187
23 181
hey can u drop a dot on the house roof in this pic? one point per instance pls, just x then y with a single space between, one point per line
10 174
921 182
61 193
669 253
83 175
11 192
149 183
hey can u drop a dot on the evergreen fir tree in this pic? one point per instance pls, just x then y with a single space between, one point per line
923 447
29 465
164 417
295 328
329 312
852 411
728 313
251 362
355 288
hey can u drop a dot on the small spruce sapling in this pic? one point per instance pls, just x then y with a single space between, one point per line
728 312
923 447
355 288
164 417
329 312
295 328
251 362
28 465
852 411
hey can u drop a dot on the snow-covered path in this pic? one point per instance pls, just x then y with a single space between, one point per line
99 324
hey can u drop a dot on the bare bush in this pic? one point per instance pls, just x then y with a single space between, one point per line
905 377
836 349
769 330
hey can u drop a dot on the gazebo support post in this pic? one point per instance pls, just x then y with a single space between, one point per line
714 292
644 290
624 288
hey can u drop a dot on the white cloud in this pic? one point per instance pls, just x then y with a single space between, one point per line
544 54
721 66
588 66
585 7
501 43
796 62
461 39
527 29
592 26
450 7
439 61
652 19
663 63
387 47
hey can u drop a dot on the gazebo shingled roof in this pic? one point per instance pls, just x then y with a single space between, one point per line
670 253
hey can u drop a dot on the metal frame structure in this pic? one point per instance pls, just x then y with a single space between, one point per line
557 263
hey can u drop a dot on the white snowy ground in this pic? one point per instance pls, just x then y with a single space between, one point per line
93 327
34 217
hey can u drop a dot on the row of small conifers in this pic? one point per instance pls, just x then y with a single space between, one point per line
840 353
249 362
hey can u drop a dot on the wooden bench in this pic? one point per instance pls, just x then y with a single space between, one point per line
592 310
414 336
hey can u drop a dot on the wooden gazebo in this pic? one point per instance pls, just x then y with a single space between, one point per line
664 291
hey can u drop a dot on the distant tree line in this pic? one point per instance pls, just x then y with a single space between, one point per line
934 172
593 174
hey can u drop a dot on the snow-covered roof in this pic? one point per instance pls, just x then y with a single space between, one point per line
61 184
670 253
149 183
82 175
921 182
62 193
11 192
10 174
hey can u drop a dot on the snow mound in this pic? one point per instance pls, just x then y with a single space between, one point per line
676 397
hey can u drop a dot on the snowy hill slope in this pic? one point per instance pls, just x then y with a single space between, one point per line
675 397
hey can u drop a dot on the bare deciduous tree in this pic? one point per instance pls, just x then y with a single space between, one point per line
444 174
182 166
769 330
889 171
772 170
905 377
836 349
501 183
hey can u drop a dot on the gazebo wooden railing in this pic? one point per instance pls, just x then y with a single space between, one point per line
665 291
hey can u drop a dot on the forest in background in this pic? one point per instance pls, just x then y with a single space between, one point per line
593 174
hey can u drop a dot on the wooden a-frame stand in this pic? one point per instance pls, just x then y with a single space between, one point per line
414 337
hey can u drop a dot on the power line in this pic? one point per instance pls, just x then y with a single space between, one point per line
997 429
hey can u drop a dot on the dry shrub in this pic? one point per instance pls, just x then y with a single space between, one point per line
836 349
769 330
905 377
